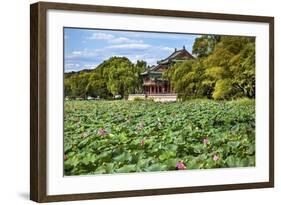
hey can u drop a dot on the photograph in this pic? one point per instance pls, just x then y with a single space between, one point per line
144 101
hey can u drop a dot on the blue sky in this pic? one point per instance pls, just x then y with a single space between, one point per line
87 48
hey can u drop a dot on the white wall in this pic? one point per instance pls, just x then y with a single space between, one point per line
14 109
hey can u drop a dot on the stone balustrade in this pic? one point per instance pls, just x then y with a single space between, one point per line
156 97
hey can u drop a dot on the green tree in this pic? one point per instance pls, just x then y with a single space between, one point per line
117 75
204 45
67 87
140 67
97 85
230 68
244 64
76 85
224 69
121 76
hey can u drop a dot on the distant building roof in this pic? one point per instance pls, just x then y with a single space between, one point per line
177 55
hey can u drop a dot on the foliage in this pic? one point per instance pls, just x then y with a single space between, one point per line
120 76
76 85
140 67
224 69
115 76
143 136
204 45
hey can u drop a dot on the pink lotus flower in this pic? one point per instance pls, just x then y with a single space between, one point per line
142 142
180 165
205 140
216 157
102 132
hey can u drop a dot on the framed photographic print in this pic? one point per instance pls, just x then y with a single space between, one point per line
133 102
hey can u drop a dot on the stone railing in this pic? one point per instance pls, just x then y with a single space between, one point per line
133 96
169 97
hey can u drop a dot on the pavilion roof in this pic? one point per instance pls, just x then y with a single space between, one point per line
175 55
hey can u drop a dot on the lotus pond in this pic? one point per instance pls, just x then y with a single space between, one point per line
105 137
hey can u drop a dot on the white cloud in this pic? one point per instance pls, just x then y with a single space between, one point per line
168 49
69 66
88 59
112 39
130 46
157 35
124 40
90 66
100 36
77 52
84 54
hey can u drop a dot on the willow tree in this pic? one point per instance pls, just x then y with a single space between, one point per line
230 68
121 76
224 69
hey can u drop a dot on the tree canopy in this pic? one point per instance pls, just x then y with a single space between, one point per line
115 76
224 68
